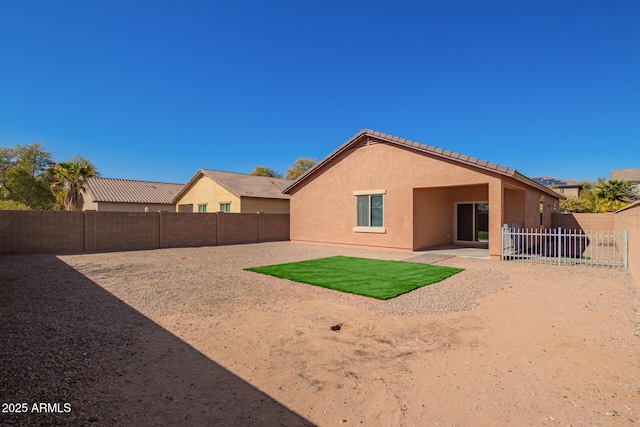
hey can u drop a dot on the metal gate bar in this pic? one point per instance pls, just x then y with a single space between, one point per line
561 246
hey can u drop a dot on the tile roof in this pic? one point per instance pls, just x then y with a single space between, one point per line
243 185
549 181
427 149
632 174
130 191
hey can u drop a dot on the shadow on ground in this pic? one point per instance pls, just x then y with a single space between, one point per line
65 340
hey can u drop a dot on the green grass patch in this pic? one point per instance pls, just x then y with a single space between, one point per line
362 276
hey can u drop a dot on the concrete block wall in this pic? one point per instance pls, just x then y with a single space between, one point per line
187 229
629 219
584 221
41 232
125 231
274 227
238 228
91 231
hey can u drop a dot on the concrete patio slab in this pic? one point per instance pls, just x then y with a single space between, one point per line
481 252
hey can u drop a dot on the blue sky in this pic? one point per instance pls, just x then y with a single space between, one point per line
156 90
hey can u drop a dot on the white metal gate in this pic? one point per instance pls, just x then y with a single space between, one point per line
561 246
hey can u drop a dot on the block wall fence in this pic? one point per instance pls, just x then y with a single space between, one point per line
585 221
94 231
627 219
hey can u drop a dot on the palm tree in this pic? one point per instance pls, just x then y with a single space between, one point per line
71 177
612 195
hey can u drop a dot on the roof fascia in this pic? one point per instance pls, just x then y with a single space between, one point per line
412 145
518 176
326 160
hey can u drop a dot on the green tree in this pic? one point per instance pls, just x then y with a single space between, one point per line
584 203
59 191
300 166
575 204
7 162
72 179
610 196
22 175
12 205
265 171
84 162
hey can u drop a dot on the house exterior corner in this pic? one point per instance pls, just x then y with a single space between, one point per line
374 192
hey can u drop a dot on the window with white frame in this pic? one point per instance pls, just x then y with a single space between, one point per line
225 207
202 208
369 209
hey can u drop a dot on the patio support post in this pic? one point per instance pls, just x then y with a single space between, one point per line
496 218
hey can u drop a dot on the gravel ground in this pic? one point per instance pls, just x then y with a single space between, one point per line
185 336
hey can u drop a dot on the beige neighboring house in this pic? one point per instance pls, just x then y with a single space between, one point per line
127 195
216 191
378 190
632 175
566 187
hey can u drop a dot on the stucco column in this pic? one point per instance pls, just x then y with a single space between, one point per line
496 218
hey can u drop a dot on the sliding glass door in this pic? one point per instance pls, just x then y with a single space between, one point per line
472 222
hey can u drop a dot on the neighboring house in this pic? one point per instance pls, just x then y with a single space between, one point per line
568 188
216 191
378 190
126 195
632 175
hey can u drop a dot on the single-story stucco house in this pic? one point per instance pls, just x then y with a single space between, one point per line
217 191
127 195
378 190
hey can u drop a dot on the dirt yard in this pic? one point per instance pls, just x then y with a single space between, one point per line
186 337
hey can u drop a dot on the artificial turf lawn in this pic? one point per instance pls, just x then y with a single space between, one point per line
362 276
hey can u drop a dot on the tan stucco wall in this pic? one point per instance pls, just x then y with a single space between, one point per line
253 205
433 217
522 204
629 219
206 191
570 192
323 209
421 193
89 205
514 206
434 212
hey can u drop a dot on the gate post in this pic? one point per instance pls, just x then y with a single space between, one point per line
504 228
626 249
559 244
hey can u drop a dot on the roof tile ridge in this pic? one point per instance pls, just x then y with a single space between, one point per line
245 174
217 181
133 180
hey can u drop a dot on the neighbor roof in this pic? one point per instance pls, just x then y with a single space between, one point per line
549 181
427 149
243 185
632 174
630 206
129 191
